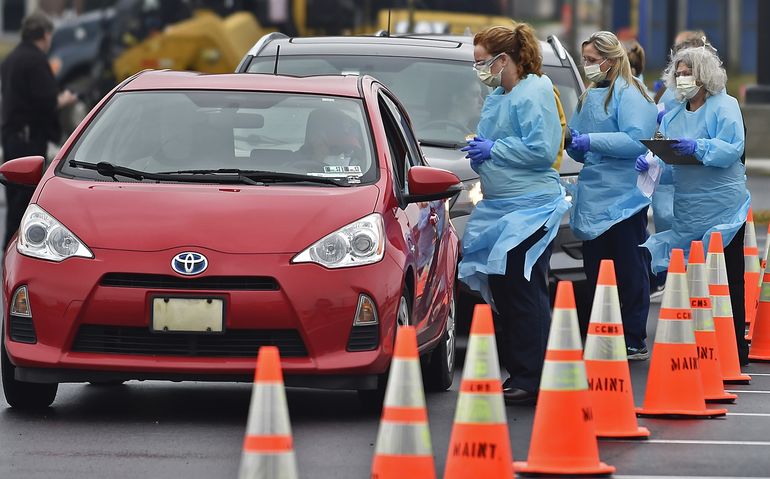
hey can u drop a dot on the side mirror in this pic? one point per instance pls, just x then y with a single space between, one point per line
429 184
26 171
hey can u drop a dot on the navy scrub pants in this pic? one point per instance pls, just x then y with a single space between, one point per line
621 243
735 265
523 315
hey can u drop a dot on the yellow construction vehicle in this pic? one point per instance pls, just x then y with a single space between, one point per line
205 42
399 21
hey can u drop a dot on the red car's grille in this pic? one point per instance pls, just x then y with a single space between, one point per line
159 281
232 343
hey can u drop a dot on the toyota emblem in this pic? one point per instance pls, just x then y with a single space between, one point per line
189 263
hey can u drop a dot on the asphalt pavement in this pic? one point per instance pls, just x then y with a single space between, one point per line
195 430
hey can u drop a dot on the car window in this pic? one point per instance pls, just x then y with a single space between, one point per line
399 151
442 97
413 150
276 132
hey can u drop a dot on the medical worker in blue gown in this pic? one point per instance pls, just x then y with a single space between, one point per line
610 213
711 196
507 241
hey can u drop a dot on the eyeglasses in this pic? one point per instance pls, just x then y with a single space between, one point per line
486 64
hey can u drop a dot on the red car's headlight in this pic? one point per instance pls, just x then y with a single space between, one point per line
361 242
42 236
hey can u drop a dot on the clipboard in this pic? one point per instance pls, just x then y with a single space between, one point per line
662 149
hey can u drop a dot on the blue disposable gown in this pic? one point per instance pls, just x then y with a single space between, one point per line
668 98
521 191
708 197
606 191
663 198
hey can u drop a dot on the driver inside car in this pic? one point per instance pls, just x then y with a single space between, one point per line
331 139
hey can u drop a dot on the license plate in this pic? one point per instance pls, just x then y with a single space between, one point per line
189 315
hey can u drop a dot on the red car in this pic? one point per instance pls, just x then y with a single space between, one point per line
191 219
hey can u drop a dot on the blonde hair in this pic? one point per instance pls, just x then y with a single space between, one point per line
609 47
519 43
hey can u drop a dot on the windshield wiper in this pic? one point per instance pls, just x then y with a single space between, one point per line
266 176
439 143
108 169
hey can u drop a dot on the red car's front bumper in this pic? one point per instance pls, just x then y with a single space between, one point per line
91 318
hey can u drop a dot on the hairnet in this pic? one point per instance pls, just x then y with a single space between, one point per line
706 68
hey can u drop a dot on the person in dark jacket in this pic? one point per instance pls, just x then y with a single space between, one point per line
31 99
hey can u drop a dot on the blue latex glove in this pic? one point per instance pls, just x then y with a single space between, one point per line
657 85
660 116
479 150
684 146
642 164
580 143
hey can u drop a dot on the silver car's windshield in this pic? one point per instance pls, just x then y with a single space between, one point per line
443 97
170 131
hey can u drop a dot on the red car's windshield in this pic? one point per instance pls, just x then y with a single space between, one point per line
169 131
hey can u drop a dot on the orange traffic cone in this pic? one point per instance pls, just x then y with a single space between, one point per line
480 445
674 384
722 311
563 435
267 449
705 335
609 380
403 448
751 272
760 346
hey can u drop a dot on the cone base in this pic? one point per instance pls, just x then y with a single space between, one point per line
759 357
739 379
722 398
680 413
524 469
640 433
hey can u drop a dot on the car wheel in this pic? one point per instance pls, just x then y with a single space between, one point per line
438 372
371 399
23 395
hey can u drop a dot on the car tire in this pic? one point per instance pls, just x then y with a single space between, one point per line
23 395
371 399
438 371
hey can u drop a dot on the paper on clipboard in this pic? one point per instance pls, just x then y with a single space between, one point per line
662 149
648 180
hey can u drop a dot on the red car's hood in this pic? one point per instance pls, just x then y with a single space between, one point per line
227 218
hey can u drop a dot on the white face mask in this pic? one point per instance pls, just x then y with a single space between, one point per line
687 87
489 79
594 73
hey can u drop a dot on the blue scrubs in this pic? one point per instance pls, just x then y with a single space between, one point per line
610 211
506 245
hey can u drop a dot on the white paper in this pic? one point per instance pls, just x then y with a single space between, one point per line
648 180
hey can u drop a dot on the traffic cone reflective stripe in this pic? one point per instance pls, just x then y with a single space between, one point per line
722 312
606 363
751 271
267 448
563 435
762 269
705 334
403 449
674 384
480 445
760 345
